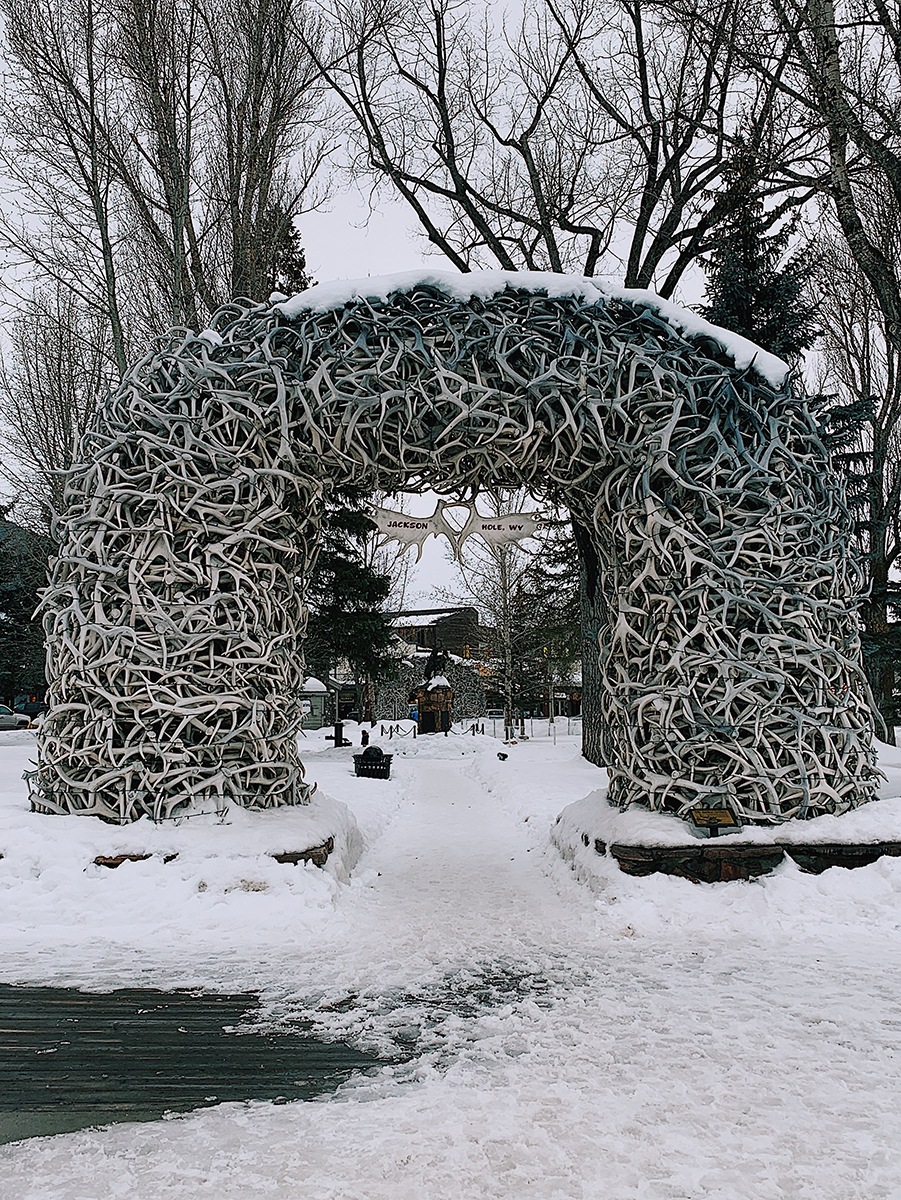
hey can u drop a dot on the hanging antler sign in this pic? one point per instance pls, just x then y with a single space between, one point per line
414 531
497 531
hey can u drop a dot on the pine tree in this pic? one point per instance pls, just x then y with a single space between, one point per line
23 572
752 288
552 584
847 430
287 265
346 596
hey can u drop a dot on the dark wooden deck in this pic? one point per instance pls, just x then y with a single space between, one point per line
69 1059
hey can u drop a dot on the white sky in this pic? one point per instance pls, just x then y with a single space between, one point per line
345 242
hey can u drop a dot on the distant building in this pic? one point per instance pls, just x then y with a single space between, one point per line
314 703
456 630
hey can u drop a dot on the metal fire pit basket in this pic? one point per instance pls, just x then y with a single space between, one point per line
373 764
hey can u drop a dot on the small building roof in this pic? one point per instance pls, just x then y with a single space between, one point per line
312 684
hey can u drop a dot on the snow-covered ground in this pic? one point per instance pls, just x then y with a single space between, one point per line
639 1038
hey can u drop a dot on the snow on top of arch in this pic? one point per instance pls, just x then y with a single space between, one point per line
484 284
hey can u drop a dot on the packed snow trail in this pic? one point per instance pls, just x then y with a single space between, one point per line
458 912
456 871
454 863
653 1040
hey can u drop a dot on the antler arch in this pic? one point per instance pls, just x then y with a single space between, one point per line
175 613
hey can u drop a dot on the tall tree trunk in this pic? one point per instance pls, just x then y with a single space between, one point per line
875 612
592 610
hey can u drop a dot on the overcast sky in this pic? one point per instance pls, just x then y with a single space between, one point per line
345 242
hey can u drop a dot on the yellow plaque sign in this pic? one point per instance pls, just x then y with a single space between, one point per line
713 817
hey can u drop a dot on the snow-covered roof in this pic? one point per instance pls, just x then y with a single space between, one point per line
484 284
314 685
437 681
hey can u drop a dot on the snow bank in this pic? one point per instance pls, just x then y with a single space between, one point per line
837 904
221 888
879 821
325 297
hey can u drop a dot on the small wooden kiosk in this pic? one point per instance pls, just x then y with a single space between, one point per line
434 701
314 703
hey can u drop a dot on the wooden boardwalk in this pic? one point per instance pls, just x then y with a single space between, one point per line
69 1059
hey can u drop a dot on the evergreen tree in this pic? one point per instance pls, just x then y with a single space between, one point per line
553 599
23 572
850 434
844 429
346 596
752 288
287 259
552 581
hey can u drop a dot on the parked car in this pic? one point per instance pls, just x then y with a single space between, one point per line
13 720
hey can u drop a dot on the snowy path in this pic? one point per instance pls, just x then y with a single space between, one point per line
454 849
456 868
654 1041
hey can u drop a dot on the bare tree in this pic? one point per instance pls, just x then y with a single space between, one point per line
860 365
158 152
846 59
835 66
584 137
390 559
162 149
58 125
267 96
60 363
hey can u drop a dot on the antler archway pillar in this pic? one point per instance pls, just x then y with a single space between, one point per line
175 617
